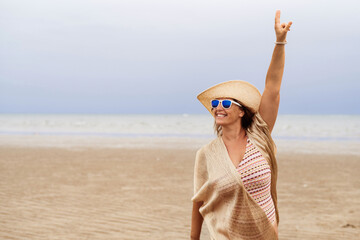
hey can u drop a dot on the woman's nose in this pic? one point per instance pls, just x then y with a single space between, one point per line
220 107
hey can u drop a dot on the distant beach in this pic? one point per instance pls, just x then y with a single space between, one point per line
131 176
338 134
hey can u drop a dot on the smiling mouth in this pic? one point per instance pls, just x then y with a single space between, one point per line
220 115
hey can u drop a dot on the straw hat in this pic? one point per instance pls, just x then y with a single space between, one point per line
247 94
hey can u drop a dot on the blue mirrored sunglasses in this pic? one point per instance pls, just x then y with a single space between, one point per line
226 103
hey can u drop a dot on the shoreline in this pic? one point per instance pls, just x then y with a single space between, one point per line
327 147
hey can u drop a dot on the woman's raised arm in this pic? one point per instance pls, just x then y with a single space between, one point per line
270 99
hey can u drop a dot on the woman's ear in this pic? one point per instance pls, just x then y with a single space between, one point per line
241 113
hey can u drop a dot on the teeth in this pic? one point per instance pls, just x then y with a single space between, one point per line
220 115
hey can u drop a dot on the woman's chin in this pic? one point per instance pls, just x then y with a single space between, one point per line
220 121
225 121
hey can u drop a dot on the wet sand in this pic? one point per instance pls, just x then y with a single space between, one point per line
112 193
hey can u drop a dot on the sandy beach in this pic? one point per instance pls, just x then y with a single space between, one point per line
144 193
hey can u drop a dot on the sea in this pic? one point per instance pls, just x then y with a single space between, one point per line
333 134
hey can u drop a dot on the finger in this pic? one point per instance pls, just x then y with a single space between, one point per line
277 17
283 25
287 28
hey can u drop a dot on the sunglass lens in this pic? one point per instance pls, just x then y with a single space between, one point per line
226 103
215 103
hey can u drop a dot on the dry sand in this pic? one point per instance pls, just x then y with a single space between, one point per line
103 193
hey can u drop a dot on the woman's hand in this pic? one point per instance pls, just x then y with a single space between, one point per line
281 29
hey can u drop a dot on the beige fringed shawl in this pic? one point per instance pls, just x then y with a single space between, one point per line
229 211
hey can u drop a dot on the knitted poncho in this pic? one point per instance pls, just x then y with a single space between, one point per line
229 211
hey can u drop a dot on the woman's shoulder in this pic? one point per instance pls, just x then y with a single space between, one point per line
210 144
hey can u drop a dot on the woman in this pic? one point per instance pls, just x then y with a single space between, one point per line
235 174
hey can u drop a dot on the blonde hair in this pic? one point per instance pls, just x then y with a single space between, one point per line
258 132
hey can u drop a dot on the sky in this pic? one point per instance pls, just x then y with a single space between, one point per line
155 56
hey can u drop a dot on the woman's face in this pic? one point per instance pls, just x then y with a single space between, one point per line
225 117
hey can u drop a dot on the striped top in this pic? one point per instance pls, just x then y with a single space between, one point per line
256 176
